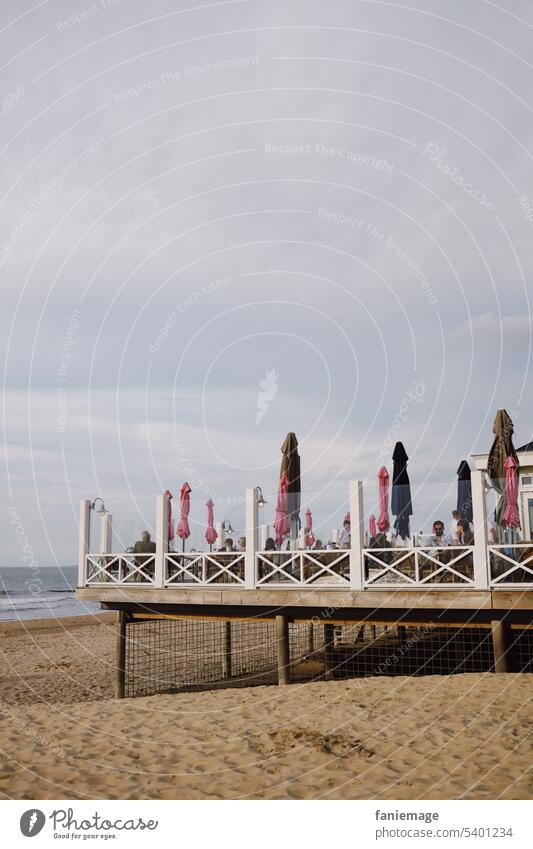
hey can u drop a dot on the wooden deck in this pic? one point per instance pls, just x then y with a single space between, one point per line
286 599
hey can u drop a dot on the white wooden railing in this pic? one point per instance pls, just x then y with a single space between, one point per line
204 568
123 568
511 566
322 568
426 567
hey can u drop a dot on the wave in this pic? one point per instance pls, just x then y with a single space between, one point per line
29 602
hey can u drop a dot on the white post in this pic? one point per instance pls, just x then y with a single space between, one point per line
357 535
252 525
479 509
161 539
85 540
105 533
219 527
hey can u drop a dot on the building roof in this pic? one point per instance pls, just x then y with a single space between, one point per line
527 447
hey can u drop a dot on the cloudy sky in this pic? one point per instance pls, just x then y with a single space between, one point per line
233 219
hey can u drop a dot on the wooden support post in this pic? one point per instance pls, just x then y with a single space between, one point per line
357 535
252 528
402 634
161 539
310 638
479 510
85 541
282 639
120 668
500 645
226 650
329 642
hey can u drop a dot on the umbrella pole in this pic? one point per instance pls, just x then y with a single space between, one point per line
183 545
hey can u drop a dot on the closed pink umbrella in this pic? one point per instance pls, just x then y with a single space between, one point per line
282 522
183 530
511 516
372 526
308 530
170 524
383 497
210 534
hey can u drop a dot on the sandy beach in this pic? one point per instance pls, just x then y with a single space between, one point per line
435 737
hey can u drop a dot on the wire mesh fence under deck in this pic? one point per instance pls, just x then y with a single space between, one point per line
521 649
175 654
170 655
404 650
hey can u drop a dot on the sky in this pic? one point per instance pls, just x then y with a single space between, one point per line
224 221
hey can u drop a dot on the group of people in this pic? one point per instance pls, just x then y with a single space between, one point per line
229 545
145 545
461 533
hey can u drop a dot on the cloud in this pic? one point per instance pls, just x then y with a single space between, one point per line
510 333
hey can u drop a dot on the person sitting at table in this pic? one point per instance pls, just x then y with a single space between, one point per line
227 545
318 546
270 546
345 537
144 545
241 544
439 537
435 557
456 518
464 535
379 541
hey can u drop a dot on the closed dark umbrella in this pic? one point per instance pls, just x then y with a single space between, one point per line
401 505
502 449
464 491
290 466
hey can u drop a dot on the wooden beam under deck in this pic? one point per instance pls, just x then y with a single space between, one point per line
320 600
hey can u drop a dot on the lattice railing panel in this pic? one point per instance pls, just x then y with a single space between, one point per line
511 565
419 567
204 568
120 569
303 568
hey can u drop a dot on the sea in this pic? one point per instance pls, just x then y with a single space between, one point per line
43 593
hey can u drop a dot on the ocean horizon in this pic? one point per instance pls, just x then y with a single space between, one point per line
43 593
